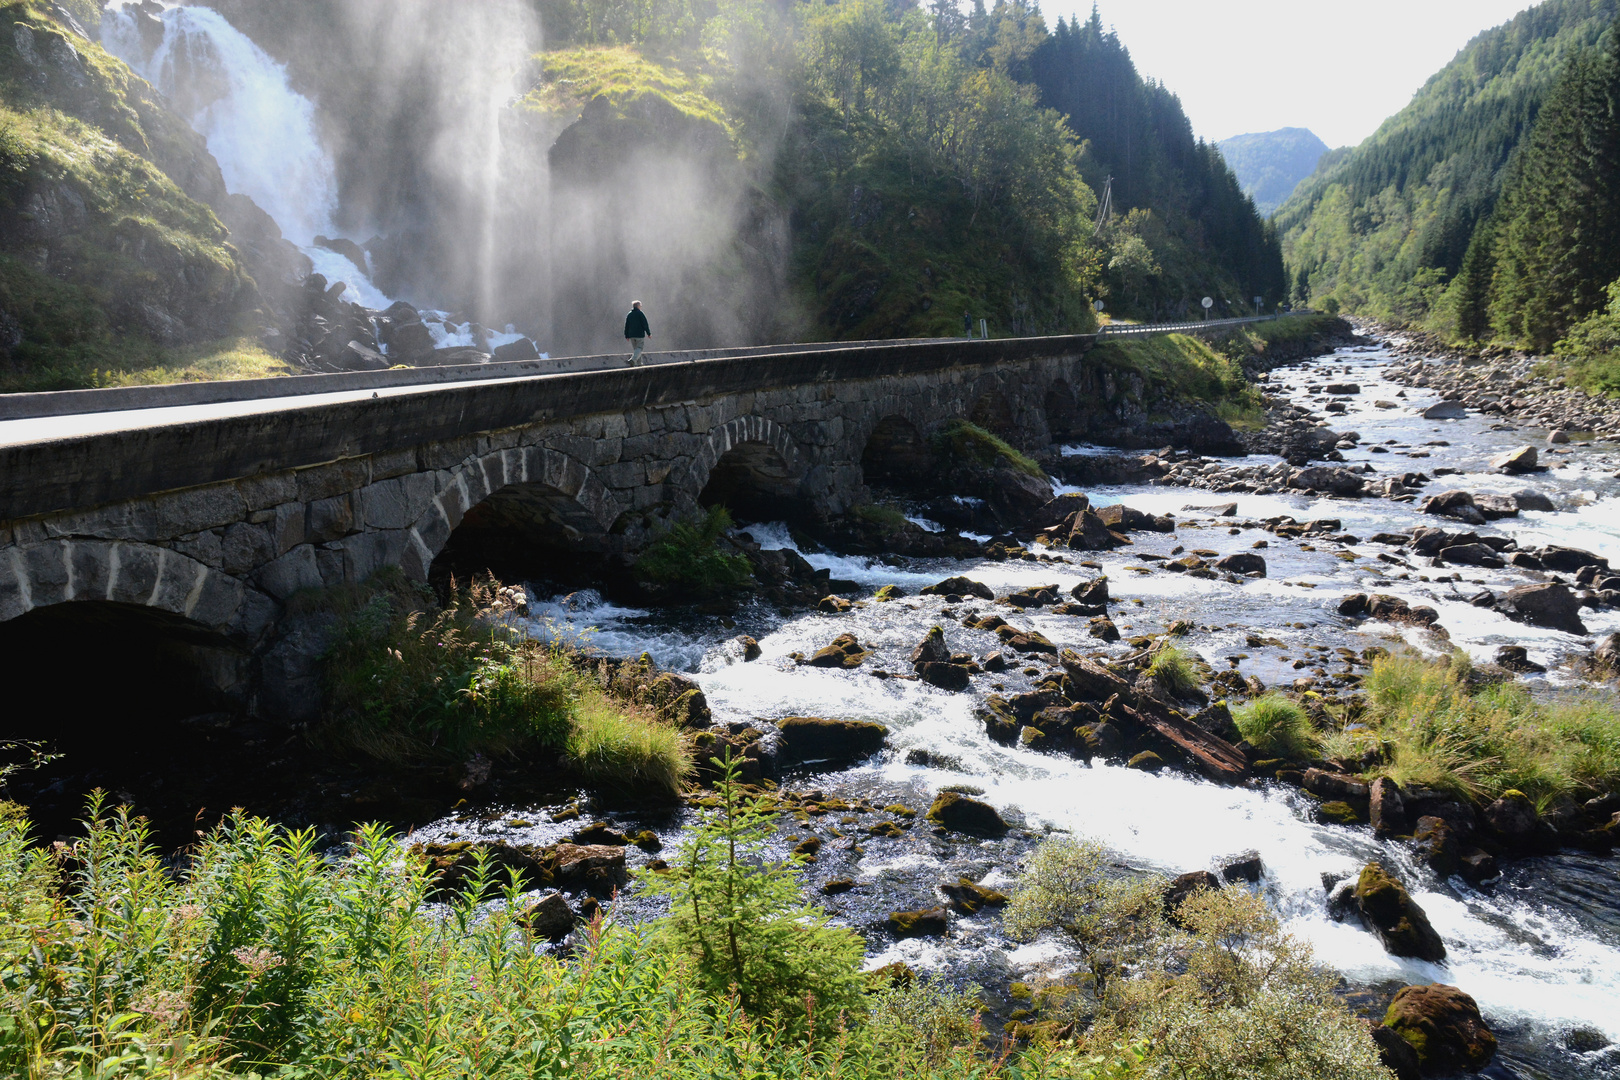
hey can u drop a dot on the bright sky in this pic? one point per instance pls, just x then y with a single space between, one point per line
1338 67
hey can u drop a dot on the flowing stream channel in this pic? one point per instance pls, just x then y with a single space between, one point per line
1539 948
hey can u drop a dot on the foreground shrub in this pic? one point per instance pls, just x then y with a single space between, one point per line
261 957
1276 726
1446 728
740 921
1219 992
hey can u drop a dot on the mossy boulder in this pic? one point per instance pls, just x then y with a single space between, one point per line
968 897
1339 812
1443 1024
812 738
929 922
1395 917
845 652
1146 761
959 586
597 867
962 813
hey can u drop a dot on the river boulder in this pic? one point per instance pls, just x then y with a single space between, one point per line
1512 819
811 738
1568 560
959 586
1454 504
1548 605
550 917
1445 410
845 652
1244 562
1514 462
929 922
1528 500
1395 917
967 897
1089 533
932 649
1386 808
1327 480
963 813
1444 1026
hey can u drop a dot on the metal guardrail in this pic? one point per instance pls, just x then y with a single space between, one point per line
1143 329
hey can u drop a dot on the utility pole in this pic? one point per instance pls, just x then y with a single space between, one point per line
1105 209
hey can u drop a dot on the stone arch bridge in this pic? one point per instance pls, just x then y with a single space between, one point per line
197 515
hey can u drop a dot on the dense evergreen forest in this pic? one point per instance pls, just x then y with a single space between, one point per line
1385 230
1271 164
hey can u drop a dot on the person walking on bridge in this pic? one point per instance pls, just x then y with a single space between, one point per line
636 331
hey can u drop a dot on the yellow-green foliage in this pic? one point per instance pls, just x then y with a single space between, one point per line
1275 726
1479 742
962 440
623 75
259 956
1174 670
1249 1001
688 559
410 681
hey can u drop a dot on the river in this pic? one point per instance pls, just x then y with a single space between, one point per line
1539 948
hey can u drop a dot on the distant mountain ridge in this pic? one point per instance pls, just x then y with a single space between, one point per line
1270 164
1383 229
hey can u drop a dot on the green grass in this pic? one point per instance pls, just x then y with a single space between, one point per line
1448 730
410 681
961 440
1174 670
1276 726
886 518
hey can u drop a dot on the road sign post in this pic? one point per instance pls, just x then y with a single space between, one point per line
1208 303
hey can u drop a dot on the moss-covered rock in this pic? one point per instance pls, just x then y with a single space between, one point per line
812 738
1443 1024
953 810
930 922
968 897
1395 917
845 652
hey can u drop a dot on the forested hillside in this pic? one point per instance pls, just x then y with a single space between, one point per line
1270 164
1173 194
1384 230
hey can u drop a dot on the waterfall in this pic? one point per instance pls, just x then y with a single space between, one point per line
260 130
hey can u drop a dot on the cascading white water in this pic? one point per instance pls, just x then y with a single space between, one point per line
260 130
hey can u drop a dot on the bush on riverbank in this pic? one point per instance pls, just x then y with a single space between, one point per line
408 680
1184 367
258 956
1240 999
1448 729
689 561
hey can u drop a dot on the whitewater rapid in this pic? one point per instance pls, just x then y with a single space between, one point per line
1540 950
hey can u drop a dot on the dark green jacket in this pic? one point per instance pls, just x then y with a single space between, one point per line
635 324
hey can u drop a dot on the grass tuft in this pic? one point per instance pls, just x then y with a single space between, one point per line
1450 731
1276 726
1174 670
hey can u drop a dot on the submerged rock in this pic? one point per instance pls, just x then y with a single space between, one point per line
1395 917
1443 1025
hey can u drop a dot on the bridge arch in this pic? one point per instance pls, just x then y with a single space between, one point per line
125 640
752 464
896 454
530 493
130 574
